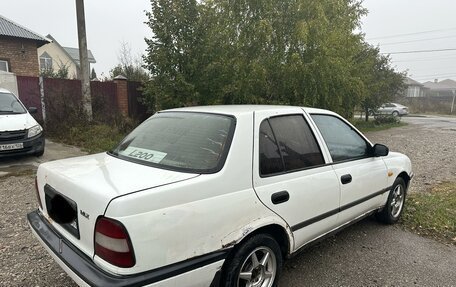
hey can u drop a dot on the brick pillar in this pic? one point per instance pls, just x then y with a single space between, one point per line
122 94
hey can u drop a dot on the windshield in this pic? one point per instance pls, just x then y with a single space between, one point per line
10 105
182 141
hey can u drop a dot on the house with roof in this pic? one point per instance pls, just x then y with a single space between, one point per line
445 88
414 89
54 56
18 48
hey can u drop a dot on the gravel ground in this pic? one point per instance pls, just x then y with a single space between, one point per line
431 148
366 254
23 261
372 254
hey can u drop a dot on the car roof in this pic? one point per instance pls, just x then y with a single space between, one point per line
244 109
2 90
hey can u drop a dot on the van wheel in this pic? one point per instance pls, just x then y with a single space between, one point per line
392 211
257 263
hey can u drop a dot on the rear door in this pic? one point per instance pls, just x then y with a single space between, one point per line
388 109
291 175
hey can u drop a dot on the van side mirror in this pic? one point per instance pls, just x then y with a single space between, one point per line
32 110
380 150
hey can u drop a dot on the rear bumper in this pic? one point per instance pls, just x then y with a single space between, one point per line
31 146
199 271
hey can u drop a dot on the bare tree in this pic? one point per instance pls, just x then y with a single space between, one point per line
129 66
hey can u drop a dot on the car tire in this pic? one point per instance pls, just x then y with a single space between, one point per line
258 260
40 153
395 114
392 211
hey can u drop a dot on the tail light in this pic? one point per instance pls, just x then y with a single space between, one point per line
38 193
112 243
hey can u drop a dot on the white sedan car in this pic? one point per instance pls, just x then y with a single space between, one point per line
213 196
396 110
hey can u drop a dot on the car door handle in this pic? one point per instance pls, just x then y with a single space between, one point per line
280 197
346 178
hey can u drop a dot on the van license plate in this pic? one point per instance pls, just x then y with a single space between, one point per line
11 146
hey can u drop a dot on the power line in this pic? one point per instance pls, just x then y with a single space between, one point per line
419 51
431 79
411 34
418 40
423 60
434 76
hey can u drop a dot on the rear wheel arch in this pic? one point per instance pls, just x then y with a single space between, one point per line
279 234
275 231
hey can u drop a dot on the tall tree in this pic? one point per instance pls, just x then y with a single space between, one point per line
300 52
380 82
93 74
172 54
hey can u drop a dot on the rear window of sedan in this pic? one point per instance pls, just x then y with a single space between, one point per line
181 141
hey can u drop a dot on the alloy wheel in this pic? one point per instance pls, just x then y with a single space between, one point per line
397 201
259 269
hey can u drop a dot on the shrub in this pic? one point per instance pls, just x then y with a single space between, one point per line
386 119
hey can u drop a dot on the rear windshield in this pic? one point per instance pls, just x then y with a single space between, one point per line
10 105
181 141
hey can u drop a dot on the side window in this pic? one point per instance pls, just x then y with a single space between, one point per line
343 142
270 159
289 145
45 62
4 66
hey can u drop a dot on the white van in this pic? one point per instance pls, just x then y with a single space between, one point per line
20 134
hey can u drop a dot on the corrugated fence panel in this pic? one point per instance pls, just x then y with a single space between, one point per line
104 100
29 94
136 108
63 102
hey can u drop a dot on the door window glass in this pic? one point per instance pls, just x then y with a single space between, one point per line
287 144
343 142
270 159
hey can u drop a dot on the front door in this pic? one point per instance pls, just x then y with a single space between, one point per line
362 177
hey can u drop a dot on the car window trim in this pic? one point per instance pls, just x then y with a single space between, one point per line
295 170
276 143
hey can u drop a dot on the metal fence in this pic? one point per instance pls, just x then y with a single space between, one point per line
60 100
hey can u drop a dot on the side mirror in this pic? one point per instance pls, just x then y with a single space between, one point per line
32 110
380 150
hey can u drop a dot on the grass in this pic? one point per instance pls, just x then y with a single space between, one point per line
433 214
373 126
91 138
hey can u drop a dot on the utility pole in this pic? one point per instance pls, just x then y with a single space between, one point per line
83 59
452 104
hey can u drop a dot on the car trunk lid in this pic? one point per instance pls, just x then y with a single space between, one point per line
76 191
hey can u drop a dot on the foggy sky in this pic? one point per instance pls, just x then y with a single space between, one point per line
422 24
